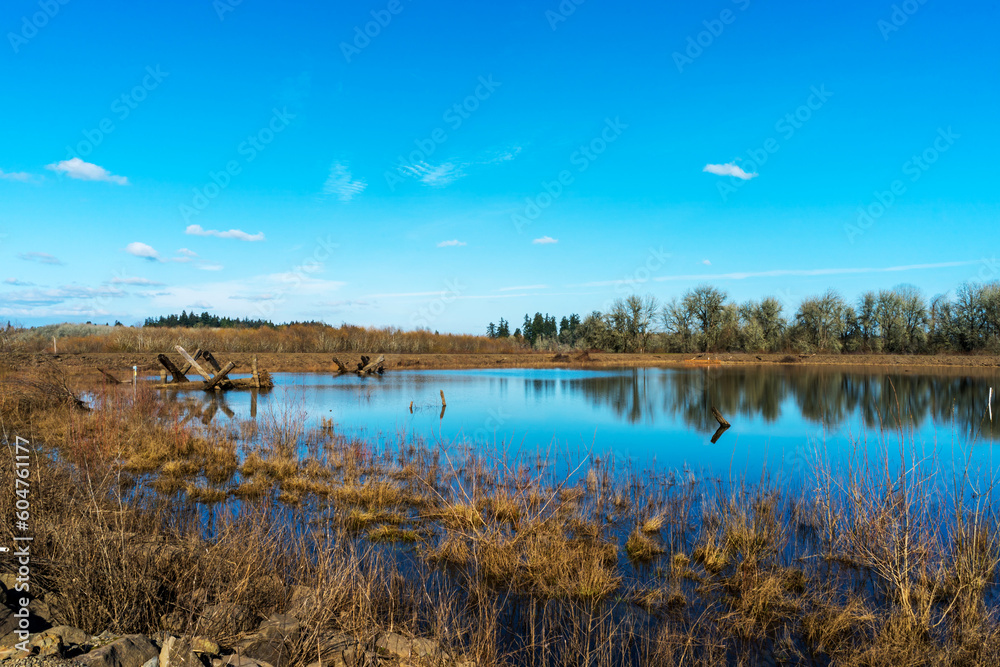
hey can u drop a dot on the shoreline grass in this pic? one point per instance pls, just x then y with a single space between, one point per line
144 522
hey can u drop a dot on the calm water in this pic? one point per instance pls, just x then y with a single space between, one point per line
782 418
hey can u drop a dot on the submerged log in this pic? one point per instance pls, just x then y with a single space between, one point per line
718 433
341 368
220 376
719 418
176 374
372 366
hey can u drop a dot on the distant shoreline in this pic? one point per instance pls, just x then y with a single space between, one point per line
83 366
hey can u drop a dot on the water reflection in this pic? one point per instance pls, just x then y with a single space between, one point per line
824 396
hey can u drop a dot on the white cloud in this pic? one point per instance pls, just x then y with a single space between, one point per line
706 262
18 283
135 281
143 250
210 267
22 176
435 176
40 257
85 171
729 169
187 253
522 287
545 240
256 297
341 184
451 243
196 230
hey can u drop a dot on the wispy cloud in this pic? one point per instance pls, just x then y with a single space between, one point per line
187 253
40 257
729 169
21 176
205 266
545 240
520 288
403 295
135 281
143 250
48 297
706 262
239 234
435 175
18 283
342 184
450 244
256 298
85 171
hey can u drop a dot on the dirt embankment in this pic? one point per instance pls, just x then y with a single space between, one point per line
80 366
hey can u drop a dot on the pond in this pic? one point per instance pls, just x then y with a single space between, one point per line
784 418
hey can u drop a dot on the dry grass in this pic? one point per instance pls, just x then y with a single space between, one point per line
508 566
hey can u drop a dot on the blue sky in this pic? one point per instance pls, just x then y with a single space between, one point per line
463 162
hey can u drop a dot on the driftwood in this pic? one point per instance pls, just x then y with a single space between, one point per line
220 376
718 433
109 378
366 366
186 368
207 356
256 377
177 374
194 363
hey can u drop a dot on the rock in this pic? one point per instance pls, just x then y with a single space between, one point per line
272 642
129 651
8 622
283 626
204 645
392 645
177 652
241 661
224 618
68 635
304 603
424 648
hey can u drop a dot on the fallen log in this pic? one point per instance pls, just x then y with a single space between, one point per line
176 374
186 368
719 418
194 364
341 368
207 356
220 376
108 377
372 366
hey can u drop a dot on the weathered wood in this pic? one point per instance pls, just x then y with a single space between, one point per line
253 404
186 368
177 374
718 433
108 377
220 376
207 356
194 364
372 366
253 368
443 403
719 418
341 368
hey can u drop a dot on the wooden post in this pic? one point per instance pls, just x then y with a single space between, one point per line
178 376
163 376
220 376
194 364
253 404
443 403
411 407
54 350
253 367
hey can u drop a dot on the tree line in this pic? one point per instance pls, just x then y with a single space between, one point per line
704 319
205 319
